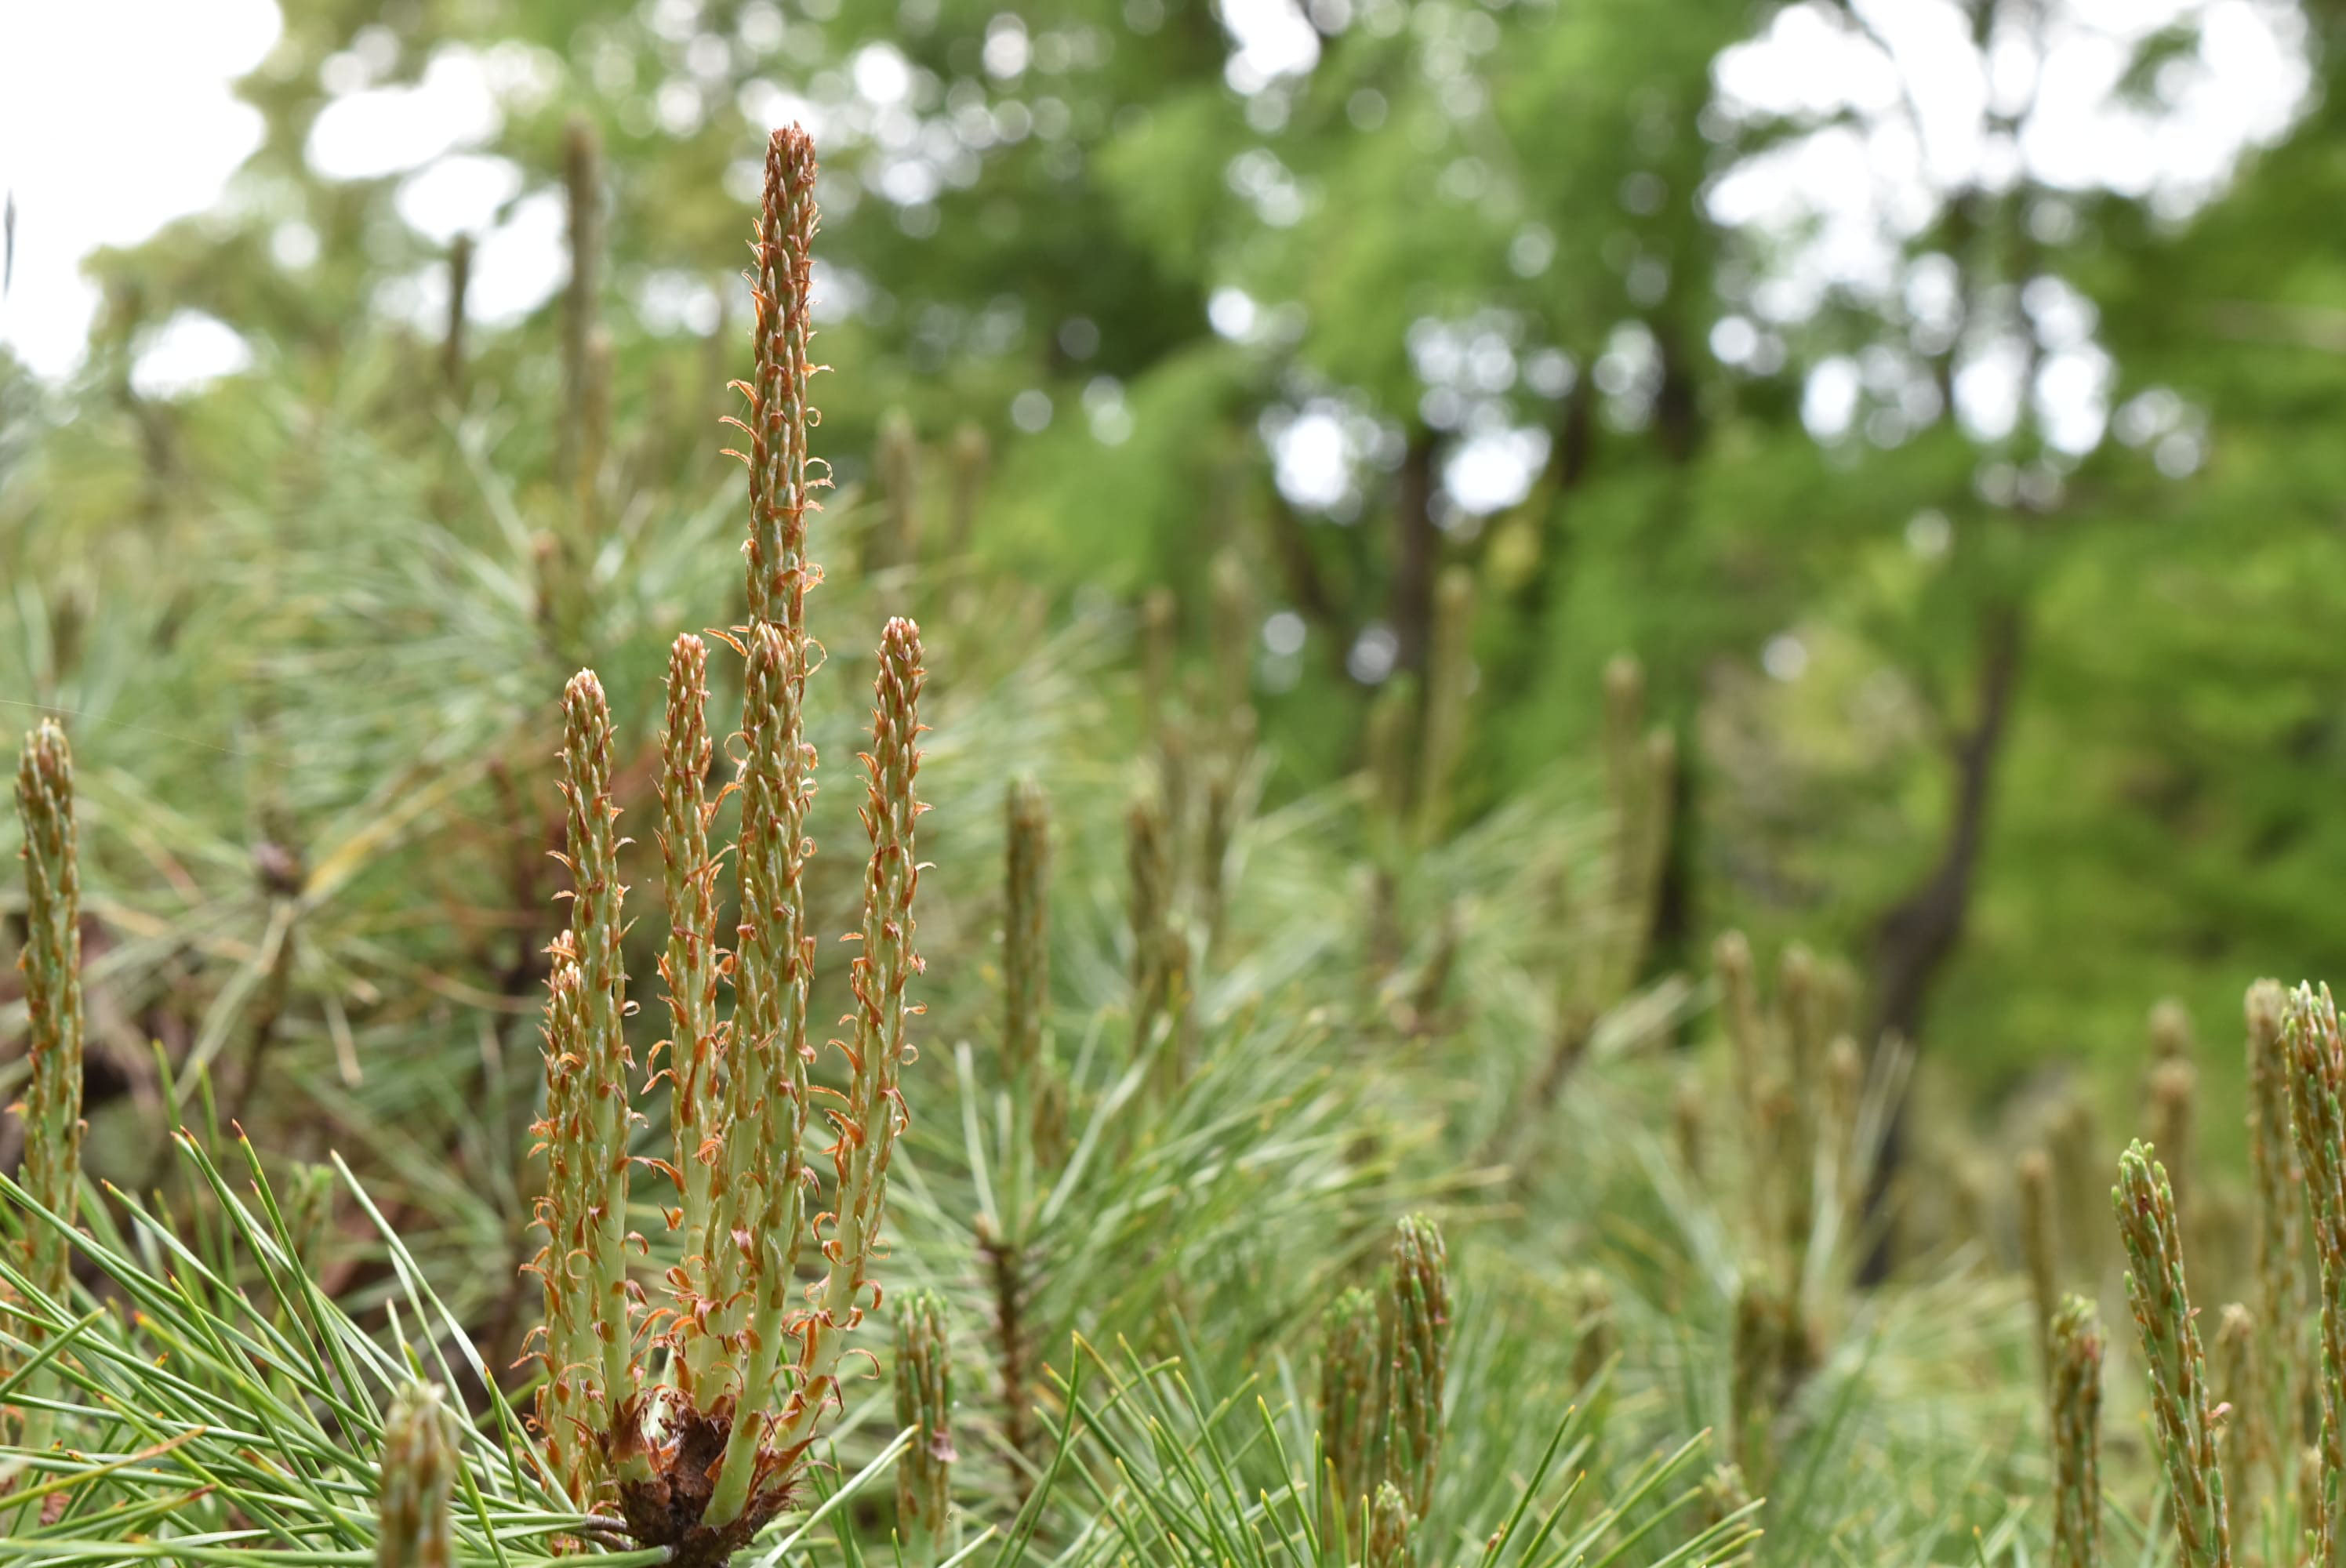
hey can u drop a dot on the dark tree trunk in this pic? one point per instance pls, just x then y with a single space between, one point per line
1417 550
1576 435
1307 584
1677 413
1571 448
1914 937
1669 944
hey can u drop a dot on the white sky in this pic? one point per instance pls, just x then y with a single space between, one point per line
114 119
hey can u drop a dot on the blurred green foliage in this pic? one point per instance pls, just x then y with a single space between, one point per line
1066 199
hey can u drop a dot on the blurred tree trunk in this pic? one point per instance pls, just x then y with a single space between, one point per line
1576 435
1914 937
1417 552
1320 603
1677 414
1670 943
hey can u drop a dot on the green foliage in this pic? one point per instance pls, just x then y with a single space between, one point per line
216 1406
1297 945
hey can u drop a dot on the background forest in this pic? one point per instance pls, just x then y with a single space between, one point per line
1998 434
1459 506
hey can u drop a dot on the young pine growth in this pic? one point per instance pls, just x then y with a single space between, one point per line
568 1400
2280 1241
882 970
924 1403
1799 1090
1390 1526
1348 1396
698 1462
2180 1408
2317 1074
419 1473
757 1182
51 965
2170 1031
589 1329
1794 1180
2074 1379
2308 1483
1415 1322
1160 954
1385 1364
309 1201
689 966
598 1038
1726 1496
867 1127
2238 1384
1148 870
1008 1234
1754 1380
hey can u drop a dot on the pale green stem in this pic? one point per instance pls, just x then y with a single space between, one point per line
599 925
689 966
